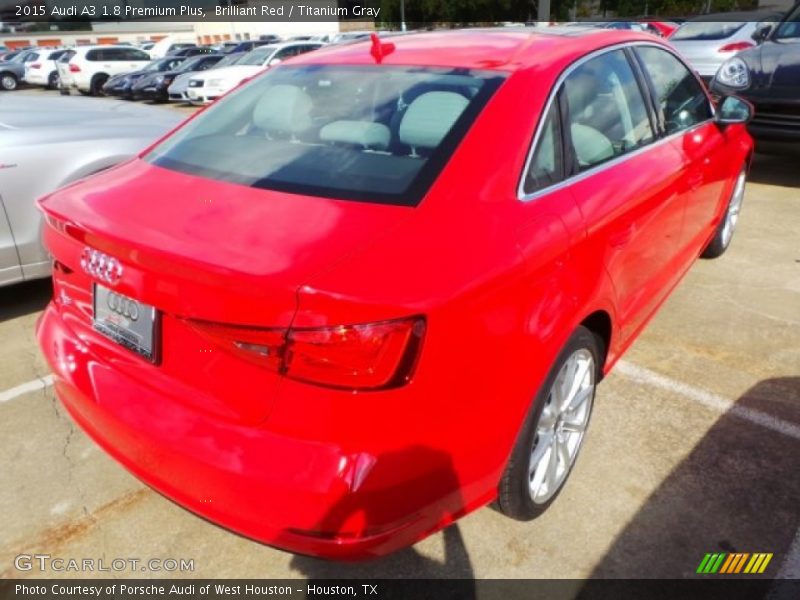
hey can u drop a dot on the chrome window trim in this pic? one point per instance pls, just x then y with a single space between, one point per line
522 196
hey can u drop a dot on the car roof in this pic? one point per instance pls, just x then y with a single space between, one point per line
753 15
505 49
102 46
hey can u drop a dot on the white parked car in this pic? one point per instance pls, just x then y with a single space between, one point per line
41 69
87 68
708 41
207 87
48 142
177 91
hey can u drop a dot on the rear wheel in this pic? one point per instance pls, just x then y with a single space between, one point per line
554 430
724 233
96 88
8 82
52 81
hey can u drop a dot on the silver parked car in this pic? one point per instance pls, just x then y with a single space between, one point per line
12 72
708 41
47 142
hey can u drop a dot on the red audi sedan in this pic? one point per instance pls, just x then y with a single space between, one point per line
374 288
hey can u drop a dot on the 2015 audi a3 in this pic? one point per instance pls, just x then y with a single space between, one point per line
375 288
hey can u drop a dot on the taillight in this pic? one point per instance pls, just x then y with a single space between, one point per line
367 356
36 66
736 46
74 68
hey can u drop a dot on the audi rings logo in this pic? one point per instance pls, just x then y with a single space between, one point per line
101 266
123 306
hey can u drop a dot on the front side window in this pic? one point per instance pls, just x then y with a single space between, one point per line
679 96
789 29
133 54
606 116
370 133
546 166
288 52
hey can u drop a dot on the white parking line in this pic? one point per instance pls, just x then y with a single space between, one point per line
715 402
26 388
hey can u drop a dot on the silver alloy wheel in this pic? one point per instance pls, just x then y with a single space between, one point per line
734 207
8 82
561 426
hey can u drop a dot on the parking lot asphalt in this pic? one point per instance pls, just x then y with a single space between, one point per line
694 446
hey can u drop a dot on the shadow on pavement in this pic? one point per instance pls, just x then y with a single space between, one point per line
737 491
24 298
775 164
374 502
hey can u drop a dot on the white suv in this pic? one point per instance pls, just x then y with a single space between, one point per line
206 87
41 68
88 68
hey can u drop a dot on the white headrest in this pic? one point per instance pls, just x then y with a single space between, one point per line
429 117
360 133
590 145
284 109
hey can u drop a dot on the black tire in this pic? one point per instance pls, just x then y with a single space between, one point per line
53 81
515 498
727 226
96 87
8 82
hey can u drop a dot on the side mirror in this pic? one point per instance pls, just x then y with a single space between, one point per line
761 33
274 61
734 110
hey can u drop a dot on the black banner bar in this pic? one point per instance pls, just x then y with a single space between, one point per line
729 588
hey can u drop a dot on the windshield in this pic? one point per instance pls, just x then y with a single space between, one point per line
258 56
230 59
190 64
372 133
705 31
158 65
790 28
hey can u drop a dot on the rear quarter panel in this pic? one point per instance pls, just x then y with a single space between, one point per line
494 278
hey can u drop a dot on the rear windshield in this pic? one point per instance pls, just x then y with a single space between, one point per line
371 133
701 30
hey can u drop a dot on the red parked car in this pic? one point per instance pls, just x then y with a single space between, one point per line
374 288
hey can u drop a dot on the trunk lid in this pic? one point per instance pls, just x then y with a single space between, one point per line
243 252
203 250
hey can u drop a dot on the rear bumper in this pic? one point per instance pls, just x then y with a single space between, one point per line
297 494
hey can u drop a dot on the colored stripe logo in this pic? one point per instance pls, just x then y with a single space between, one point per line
737 562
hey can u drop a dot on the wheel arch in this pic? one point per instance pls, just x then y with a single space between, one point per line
600 324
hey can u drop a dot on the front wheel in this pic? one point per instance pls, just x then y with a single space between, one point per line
724 233
554 430
8 82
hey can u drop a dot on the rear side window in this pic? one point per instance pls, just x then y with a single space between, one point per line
680 97
607 116
371 133
546 166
